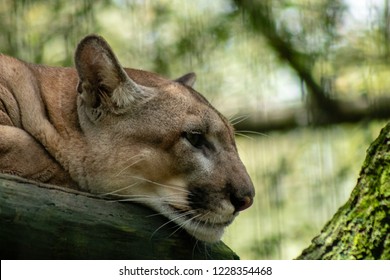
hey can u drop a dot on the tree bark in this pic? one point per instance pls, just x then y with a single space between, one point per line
48 222
361 228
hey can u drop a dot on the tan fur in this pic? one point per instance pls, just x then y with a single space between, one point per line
124 133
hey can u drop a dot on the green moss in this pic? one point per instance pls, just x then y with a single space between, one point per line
360 229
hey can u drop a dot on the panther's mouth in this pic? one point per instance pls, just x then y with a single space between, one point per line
202 226
200 219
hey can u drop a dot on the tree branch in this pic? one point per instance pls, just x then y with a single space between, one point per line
289 118
49 222
260 18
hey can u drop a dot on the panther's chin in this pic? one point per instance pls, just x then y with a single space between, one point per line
209 234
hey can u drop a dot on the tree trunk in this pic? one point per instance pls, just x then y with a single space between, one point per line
48 222
361 228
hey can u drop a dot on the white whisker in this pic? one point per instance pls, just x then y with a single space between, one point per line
134 199
252 132
166 213
198 224
171 221
182 226
237 119
173 187
243 135
119 190
169 199
133 163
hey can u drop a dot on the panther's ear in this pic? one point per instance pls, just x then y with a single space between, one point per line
102 80
187 79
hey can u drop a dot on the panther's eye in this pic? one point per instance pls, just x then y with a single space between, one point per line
196 139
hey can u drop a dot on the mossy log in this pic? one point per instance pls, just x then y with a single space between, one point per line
361 228
47 222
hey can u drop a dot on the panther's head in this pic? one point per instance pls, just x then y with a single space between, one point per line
159 142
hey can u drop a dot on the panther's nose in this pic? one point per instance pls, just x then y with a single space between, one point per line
241 203
240 188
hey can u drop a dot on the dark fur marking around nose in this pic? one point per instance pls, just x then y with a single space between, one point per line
239 198
199 198
241 203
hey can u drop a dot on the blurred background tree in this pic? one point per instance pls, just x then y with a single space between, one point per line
304 81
